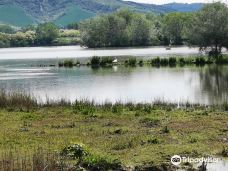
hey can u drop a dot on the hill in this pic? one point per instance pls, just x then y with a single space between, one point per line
181 7
62 12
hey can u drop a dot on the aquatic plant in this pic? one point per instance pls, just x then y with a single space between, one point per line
95 61
131 62
106 61
172 61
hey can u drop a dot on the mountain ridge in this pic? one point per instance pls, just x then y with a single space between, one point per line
36 11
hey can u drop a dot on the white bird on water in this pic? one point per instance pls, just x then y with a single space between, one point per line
115 61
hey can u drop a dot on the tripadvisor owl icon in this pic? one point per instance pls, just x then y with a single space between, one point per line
176 160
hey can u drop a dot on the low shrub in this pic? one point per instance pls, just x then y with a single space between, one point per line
100 163
74 151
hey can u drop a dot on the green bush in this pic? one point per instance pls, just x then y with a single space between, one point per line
98 163
74 151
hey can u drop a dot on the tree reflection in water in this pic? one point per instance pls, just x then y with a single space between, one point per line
214 83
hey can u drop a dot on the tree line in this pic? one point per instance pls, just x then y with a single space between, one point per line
207 28
43 34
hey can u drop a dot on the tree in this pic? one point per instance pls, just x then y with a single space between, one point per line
4 40
122 28
140 29
173 27
72 26
22 39
46 33
209 28
6 29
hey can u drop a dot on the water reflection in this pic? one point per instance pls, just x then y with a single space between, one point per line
207 85
214 82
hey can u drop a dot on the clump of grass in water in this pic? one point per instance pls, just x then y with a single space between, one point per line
155 61
131 62
172 61
106 61
66 63
95 61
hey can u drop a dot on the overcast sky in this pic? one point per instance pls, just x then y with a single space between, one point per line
170 1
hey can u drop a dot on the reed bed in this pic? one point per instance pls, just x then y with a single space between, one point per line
24 101
131 61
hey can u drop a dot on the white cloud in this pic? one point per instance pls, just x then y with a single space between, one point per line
170 1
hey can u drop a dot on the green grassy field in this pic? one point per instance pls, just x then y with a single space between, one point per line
136 135
14 15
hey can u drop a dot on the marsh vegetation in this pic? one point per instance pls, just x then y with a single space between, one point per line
62 135
97 61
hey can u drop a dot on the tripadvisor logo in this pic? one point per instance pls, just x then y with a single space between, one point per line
176 160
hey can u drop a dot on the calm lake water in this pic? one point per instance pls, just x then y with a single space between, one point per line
77 51
207 84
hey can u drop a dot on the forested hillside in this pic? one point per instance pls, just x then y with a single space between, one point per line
62 12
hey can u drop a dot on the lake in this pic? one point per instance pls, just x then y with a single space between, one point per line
77 51
205 85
